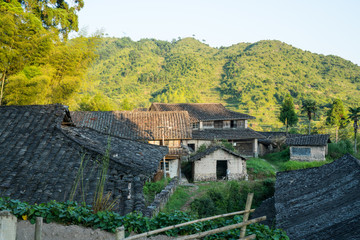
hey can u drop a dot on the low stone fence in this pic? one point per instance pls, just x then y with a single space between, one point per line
161 198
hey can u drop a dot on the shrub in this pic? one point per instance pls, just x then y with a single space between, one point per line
231 197
152 188
73 213
339 149
259 169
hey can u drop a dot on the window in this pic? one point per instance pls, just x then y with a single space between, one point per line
226 124
218 124
166 165
155 142
240 124
233 124
195 125
301 151
208 124
192 146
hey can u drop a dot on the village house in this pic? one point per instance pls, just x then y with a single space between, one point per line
213 122
308 147
158 128
41 152
218 163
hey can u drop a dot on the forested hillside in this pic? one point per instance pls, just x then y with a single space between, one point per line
250 78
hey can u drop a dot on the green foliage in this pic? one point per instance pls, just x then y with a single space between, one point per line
231 197
178 199
258 168
295 165
57 15
336 116
249 78
309 107
152 188
278 158
339 149
72 213
287 112
228 145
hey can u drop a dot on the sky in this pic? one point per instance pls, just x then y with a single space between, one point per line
324 27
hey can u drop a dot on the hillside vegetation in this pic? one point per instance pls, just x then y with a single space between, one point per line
250 78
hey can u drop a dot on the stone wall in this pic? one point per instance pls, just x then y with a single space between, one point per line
205 169
198 143
307 153
161 198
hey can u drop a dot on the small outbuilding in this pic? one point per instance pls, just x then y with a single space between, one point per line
218 163
309 147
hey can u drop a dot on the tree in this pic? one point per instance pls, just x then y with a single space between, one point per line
355 117
58 15
287 113
336 117
309 107
23 40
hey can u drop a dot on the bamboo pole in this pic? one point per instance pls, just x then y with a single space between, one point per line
223 229
38 228
246 215
248 237
188 223
120 233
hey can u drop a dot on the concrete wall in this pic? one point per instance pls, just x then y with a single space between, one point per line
205 169
7 226
173 168
197 143
317 153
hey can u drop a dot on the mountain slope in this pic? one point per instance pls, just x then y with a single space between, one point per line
251 78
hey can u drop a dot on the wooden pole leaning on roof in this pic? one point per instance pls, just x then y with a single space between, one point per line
246 215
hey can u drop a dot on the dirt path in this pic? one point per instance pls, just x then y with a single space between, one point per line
194 189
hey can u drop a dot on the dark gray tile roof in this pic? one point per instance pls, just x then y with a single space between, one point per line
309 140
137 125
229 134
201 111
40 158
320 203
212 149
270 137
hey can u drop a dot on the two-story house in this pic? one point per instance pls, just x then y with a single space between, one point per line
159 128
212 122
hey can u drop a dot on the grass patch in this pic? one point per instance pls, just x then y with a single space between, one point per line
152 188
294 165
259 169
278 158
178 199
224 197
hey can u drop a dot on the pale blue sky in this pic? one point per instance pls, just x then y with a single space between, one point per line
319 26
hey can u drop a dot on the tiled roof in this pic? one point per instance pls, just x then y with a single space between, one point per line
40 158
138 125
201 111
270 137
309 140
321 202
230 134
212 149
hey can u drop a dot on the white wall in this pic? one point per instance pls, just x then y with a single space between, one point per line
317 153
205 169
173 168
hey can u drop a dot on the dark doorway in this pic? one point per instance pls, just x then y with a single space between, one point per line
221 167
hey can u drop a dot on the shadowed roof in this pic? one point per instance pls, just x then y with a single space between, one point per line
137 125
40 158
309 140
230 134
212 149
201 111
321 202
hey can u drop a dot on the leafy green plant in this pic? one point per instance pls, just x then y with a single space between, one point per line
259 169
74 213
150 189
